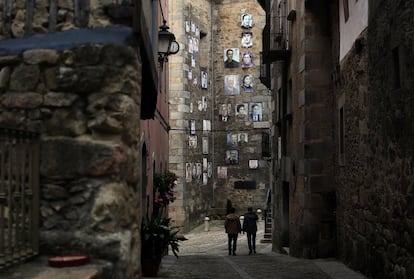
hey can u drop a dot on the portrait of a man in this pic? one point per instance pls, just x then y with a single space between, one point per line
205 145
188 172
232 139
222 172
255 112
192 127
247 39
247 59
231 85
246 21
204 79
192 141
231 58
224 112
232 157
242 137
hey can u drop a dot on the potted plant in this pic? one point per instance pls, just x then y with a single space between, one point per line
164 184
156 237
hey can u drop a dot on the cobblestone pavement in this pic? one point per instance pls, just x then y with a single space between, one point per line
204 255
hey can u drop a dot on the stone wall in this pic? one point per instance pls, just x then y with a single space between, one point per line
228 34
305 192
214 26
375 183
85 103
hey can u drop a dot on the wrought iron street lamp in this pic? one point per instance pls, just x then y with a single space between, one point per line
167 44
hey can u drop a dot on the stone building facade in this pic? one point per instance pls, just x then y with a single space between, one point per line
342 114
73 74
210 147
301 83
373 177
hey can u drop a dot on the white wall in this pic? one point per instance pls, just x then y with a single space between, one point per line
356 23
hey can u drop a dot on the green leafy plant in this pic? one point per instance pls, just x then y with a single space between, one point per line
156 236
164 184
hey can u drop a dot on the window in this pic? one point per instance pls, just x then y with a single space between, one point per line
346 10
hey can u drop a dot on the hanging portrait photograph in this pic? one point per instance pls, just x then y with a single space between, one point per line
204 145
247 39
242 137
192 142
246 21
222 172
247 59
255 112
242 111
232 139
231 58
231 85
192 127
203 79
188 172
253 164
232 157
224 112
247 83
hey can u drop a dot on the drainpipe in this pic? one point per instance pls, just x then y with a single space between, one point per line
212 88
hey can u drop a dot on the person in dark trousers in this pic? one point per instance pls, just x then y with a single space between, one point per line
233 228
250 227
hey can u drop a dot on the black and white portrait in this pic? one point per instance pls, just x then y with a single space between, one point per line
247 59
192 127
232 157
192 142
255 112
188 172
204 79
232 139
224 112
246 21
222 172
204 145
199 172
231 85
242 112
247 39
247 83
253 164
231 58
190 44
206 125
242 137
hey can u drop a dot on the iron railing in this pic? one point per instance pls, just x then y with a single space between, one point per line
19 196
81 10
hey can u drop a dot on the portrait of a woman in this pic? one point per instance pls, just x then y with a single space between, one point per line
247 59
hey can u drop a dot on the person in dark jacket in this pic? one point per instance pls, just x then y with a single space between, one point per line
233 228
250 227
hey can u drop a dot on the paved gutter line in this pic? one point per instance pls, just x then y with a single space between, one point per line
241 272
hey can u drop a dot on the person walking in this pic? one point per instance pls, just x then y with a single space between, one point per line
233 228
250 227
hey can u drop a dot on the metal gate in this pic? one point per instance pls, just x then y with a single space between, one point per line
19 196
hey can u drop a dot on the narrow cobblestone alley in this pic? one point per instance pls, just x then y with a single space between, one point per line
204 256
